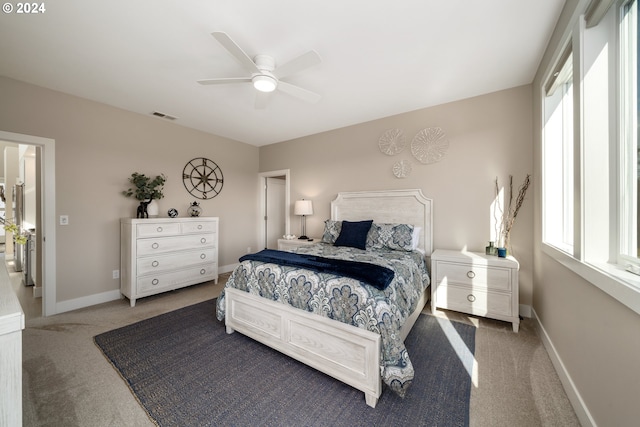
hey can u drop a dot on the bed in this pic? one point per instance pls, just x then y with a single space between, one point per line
358 353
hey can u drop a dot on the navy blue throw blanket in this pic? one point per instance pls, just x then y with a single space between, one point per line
375 275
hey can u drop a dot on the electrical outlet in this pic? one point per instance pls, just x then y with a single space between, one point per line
248 249
64 219
116 274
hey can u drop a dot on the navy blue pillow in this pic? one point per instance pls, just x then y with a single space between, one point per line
354 234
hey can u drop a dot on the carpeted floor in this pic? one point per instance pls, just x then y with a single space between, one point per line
185 370
68 382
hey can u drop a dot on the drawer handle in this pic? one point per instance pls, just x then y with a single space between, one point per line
203 271
155 282
159 229
155 246
203 256
155 264
199 226
471 274
203 240
471 298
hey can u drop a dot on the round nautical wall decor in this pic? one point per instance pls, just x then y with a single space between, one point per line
202 178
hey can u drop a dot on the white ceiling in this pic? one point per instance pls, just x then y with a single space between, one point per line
379 58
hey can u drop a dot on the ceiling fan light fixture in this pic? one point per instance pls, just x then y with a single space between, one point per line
264 83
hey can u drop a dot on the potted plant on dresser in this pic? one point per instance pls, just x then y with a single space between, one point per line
147 190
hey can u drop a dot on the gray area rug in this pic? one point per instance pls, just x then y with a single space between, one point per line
186 371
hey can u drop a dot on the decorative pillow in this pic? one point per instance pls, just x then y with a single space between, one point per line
331 231
391 236
354 234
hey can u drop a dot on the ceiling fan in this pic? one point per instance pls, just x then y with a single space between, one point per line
264 75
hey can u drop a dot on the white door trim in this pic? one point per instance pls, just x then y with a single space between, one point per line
287 201
48 202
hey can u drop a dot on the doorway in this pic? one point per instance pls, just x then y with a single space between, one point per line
274 207
46 215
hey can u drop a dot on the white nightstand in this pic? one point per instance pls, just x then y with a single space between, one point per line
475 283
287 245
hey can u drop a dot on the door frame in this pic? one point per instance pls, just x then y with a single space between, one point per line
48 213
263 201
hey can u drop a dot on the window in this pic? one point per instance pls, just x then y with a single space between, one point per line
629 144
558 158
591 152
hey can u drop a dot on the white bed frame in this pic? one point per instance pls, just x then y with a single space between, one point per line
345 352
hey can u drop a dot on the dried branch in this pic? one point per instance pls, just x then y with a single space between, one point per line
498 213
510 217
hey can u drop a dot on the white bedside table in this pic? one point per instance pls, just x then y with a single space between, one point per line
288 245
475 283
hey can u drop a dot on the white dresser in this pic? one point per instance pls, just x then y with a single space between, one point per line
475 283
163 254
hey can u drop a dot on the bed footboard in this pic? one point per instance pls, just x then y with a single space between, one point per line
347 353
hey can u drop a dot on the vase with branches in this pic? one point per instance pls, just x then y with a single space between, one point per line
508 216
145 189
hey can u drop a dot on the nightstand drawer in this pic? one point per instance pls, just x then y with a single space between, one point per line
478 276
473 301
292 244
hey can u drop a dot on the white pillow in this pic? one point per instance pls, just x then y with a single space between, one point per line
415 237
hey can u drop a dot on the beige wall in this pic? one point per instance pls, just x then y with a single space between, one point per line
97 149
489 136
596 338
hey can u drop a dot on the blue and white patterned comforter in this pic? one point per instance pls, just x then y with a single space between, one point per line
347 300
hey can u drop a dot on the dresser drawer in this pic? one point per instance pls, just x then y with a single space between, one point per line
473 301
155 283
158 229
178 243
478 276
173 261
199 227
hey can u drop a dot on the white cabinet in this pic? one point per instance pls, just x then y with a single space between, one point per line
163 254
476 283
12 323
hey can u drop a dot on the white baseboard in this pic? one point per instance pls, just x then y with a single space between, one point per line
525 310
580 408
228 268
77 303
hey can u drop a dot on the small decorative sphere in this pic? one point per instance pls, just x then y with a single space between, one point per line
173 213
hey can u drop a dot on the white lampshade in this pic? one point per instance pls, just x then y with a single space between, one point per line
303 207
264 83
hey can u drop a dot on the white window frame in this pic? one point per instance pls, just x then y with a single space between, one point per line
558 180
598 197
628 107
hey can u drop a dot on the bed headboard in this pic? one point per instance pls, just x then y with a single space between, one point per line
389 206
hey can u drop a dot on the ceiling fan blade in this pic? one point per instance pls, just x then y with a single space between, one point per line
236 51
298 92
225 80
262 99
300 63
